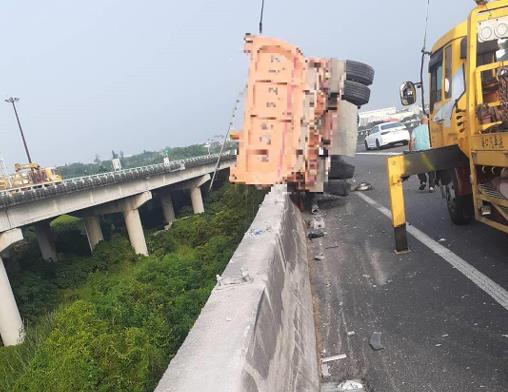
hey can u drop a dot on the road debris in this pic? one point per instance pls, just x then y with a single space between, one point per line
375 341
325 370
333 358
351 333
319 257
362 187
332 247
316 233
350 385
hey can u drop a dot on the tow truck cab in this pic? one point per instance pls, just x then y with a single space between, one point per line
468 121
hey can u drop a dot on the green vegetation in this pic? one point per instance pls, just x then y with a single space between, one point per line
145 158
113 321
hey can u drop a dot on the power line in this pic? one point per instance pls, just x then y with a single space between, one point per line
261 17
231 121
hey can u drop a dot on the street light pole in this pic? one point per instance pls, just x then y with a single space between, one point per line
13 102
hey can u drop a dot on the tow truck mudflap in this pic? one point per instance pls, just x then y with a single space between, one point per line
408 164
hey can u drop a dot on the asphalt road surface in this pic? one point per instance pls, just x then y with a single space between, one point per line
443 322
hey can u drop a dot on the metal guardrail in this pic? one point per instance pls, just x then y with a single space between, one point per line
77 184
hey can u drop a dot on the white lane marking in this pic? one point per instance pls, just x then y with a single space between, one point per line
499 294
379 153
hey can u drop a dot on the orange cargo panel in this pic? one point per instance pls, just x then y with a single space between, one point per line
271 136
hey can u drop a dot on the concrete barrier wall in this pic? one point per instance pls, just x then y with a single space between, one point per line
256 332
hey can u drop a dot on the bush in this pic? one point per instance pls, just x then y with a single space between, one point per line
117 319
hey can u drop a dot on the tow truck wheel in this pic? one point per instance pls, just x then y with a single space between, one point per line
460 208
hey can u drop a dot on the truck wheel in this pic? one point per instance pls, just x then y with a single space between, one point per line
356 93
339 169
359 72
460 208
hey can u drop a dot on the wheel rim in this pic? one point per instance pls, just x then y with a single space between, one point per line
451 197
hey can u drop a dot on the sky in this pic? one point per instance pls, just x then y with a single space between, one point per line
124 75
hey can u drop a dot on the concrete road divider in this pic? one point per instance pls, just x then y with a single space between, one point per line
256 332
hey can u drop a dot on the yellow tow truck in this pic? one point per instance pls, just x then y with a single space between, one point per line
468 120
29 176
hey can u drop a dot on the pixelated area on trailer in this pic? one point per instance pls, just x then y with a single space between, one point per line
299 113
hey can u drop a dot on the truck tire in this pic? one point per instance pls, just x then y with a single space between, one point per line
339 169
338 187
356 93
460 208
359 72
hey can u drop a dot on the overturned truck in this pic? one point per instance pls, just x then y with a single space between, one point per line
300 118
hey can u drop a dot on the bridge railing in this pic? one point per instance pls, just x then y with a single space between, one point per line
42 191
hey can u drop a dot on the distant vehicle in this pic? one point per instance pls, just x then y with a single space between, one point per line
387 134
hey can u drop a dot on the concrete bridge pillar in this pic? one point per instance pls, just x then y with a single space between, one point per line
93 230
46 241
168 211
197 200
129 207
12 330
135 230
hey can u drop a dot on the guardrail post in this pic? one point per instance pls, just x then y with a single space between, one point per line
93 230
11 326
46 241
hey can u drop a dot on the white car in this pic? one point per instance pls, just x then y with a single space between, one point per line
387 134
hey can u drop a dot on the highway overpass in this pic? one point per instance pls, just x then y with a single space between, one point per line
91 197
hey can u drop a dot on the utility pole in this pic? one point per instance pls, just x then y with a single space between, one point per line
13 102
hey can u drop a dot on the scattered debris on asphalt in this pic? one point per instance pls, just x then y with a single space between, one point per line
362 187
319 257
350 385
351 333
325 370
333 358
442 240
332 247
316 233
375 341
